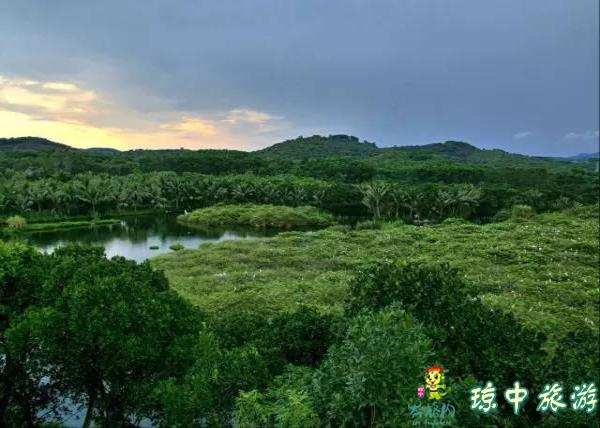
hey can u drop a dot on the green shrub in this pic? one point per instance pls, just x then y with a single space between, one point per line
287 403
258 216
370 378
238 328
368 225
303 336
176 246
577 357
130 330
208 390
299 337
16 222
154 247
522 212
502 215
473 338
339 228
392 224
455 220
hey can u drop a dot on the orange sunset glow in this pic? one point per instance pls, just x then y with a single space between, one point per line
81 117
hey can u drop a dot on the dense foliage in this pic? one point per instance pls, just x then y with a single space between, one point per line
416 183
543 270
101 332
333 327
259 216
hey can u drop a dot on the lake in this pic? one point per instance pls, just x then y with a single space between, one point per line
132 239
133 236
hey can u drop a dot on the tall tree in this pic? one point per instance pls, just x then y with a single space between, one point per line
109 330
373 195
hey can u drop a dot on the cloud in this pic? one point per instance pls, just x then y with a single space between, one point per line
60 86
48 100
190 126
71 113
242 119
521 134
251 116
585 135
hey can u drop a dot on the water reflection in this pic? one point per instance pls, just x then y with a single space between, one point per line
133 236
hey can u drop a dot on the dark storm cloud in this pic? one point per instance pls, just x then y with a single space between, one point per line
518 75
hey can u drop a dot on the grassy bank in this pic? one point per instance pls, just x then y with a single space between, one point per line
35 217
51 226
544 270
259 216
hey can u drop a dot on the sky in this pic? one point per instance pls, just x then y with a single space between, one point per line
522 76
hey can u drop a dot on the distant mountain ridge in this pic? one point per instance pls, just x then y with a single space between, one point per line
582 156
41 144
31 143
317 146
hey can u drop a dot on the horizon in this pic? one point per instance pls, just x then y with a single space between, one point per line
519 77
293 140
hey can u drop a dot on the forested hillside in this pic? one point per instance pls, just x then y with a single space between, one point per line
423 182
30 144
483 261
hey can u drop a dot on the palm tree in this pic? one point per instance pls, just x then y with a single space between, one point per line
533 197
61 197
155 193
4 202
319 197
399 198
467 198
242 192
39 192
299 195
271 194
173 187
22 202
91 190
411 203
135 191
373 195
445 199
285 196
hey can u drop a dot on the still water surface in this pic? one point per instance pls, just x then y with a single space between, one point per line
132 239
133 236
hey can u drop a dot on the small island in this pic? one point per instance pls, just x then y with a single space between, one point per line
258 216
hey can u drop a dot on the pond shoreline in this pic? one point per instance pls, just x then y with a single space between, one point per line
55 226
41 224
137 238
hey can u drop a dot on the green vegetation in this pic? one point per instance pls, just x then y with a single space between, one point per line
30 144
424 183
154 247
16 222
316 147
376 349
522 211
259 216
104 332
50 226
478 260
543 270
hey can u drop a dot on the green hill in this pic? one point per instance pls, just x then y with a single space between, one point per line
30 144
320 147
